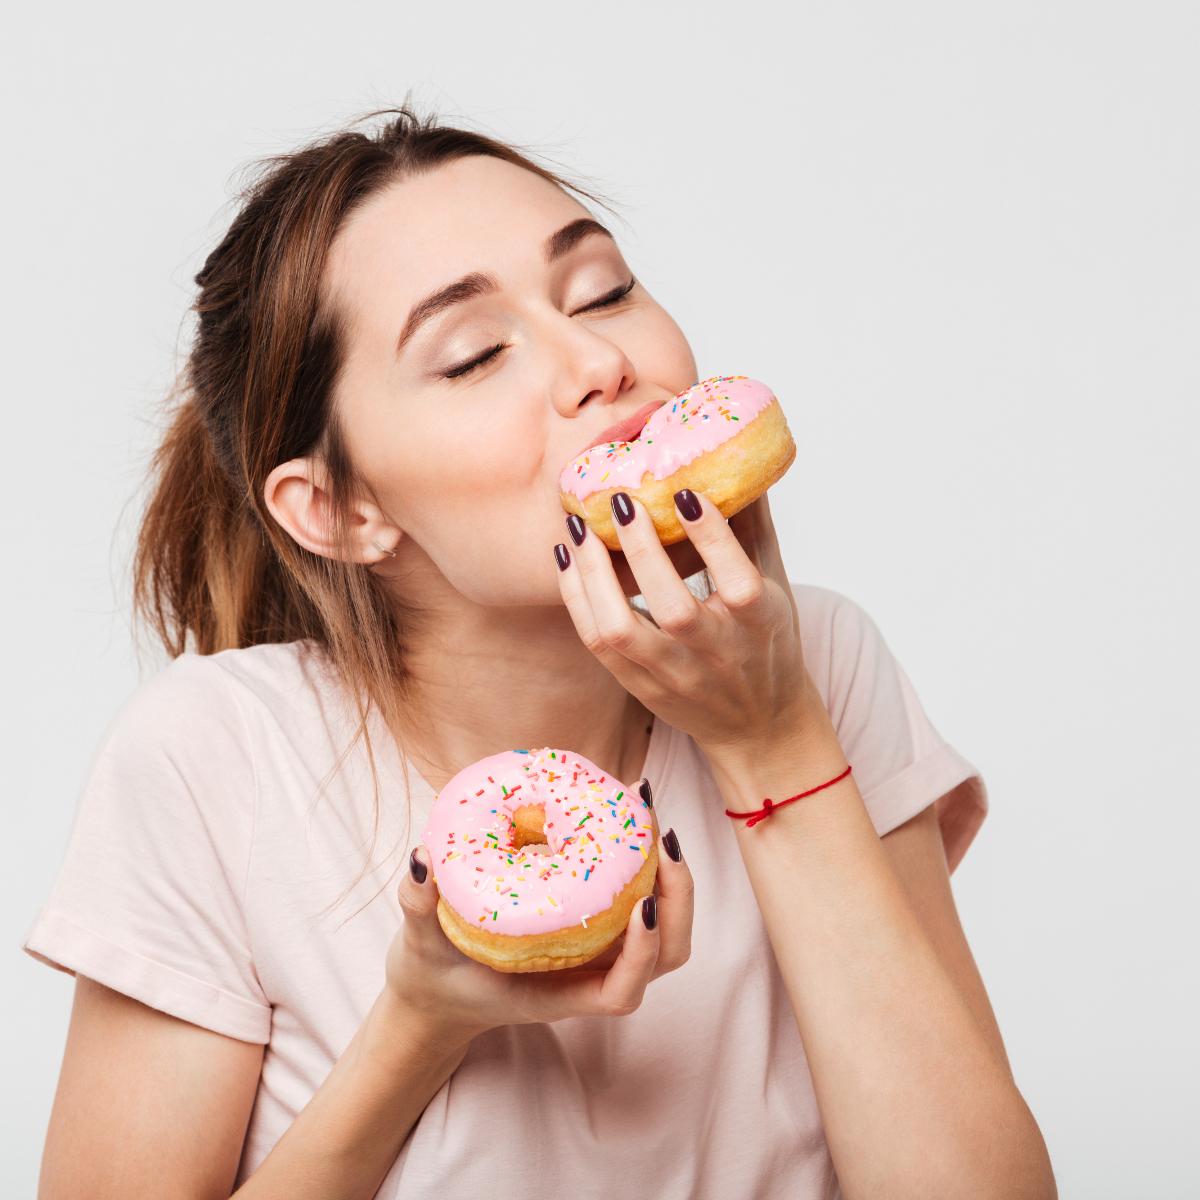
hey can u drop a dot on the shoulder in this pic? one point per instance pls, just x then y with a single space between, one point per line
200 704
845 652
902 762
210 683
831 621
272 673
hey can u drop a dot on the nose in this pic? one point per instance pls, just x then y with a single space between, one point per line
598 374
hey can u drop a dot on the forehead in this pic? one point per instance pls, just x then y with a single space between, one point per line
476 213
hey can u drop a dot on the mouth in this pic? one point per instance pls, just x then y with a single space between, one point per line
627 430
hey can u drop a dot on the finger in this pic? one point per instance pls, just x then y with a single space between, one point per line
737 581
611 635
754 528
675 610
676 906
625 981
419 897
619 990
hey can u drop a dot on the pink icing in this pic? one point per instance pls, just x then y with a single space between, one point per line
697 419
598 834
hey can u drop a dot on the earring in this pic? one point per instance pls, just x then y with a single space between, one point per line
383 549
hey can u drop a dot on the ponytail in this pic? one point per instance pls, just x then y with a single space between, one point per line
202 561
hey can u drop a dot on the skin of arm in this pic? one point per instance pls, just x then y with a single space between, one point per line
137 1084
345 1140
910 1073
135 1087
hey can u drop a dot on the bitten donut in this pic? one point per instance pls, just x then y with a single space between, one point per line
725 436
539 857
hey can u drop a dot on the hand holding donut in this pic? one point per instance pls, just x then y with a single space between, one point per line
427 974
723 670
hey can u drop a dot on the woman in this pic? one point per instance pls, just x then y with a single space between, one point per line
355 554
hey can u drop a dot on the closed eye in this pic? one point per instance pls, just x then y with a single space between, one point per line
613 297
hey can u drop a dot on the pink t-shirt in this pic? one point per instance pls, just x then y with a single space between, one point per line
201 856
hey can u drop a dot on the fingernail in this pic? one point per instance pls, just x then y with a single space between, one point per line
563 556
686 502
671 842
577 528
644 788
650 911
622 507
417 867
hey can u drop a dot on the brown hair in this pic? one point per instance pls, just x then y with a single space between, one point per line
212 570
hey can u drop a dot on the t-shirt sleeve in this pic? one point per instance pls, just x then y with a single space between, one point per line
901 763
148 899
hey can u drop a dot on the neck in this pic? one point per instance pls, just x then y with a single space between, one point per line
487 679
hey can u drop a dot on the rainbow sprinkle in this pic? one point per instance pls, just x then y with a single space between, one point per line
586 816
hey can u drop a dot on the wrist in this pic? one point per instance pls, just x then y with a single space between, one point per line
801 754
804 733
396 1028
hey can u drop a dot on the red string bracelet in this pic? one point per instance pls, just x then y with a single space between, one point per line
769 805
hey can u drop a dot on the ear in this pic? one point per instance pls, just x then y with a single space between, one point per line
297 494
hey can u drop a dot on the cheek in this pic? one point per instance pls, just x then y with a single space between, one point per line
491 536
659 348
444 478
488 519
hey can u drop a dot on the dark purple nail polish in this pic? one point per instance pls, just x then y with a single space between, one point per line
650 911
686 501
417 867
671 842
644 788
563 556
577 529
622 507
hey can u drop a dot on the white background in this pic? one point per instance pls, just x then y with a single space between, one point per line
960 241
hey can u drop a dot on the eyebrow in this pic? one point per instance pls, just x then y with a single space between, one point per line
479 283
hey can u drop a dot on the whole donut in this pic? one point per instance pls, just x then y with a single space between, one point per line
725 436
539 857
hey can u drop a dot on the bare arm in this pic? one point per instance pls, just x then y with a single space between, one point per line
135 1088
151 1105
918 857
346 1138
911 1077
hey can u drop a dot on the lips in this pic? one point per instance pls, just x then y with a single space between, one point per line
623 431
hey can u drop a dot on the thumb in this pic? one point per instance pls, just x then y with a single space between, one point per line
418 893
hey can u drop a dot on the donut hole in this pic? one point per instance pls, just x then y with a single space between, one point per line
529 828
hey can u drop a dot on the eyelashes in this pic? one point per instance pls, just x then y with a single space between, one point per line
613 297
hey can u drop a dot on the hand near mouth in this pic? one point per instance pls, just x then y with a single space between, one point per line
725 670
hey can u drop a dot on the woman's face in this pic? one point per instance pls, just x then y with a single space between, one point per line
465 460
